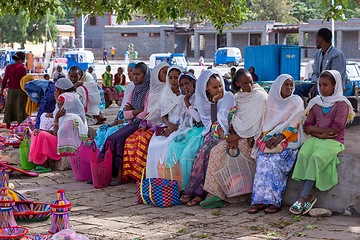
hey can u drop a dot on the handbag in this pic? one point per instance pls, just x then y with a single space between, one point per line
158 191
278 149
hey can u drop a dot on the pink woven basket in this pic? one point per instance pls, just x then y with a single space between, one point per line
101 166
80 161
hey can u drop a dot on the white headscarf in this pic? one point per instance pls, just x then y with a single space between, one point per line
169 100
64 84
282 113
156 89
329 101
56 73
92 92
224 105
248 120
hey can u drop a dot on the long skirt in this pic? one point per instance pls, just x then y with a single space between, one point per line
185 148
117 144
111 93
43 146
158 145
272 171
15 106
195 186
103 132
135 154
216 162
317 161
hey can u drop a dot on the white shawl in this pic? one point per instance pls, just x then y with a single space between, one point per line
93 93
156 89
169 101
329 101
224 105
282 113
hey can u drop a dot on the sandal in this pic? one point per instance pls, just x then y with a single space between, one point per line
296 208
272 209
185 199
39 169
256 208
193 202
308 206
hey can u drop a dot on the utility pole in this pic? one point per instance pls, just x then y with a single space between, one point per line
46 31
332 28
83 21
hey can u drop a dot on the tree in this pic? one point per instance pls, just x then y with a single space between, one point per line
222 13
272 10
21 28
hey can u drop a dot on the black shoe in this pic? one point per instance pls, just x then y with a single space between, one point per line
89 182
116 183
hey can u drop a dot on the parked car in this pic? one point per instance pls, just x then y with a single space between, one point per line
352 76
171 58
231 56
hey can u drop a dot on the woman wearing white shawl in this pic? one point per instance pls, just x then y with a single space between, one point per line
136 146
216 108
189 139
171 107
58 73
246 125
69 130
326 117
282 121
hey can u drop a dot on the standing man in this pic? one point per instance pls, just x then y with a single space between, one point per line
7 58
326 58
105 56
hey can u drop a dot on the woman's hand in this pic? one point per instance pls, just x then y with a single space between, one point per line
166 132
117 122
128 107
232 138
218 96
329 135
274 141
189 93
36 132
233 145
60 113
220 131
308 129
172 127
49 115
78 84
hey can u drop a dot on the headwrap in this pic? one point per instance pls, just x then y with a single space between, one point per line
92 97
56 75
329 101
139 93
107 81
133 63
283 113
74 112
30 106
224 105
169 100
64 84
156 89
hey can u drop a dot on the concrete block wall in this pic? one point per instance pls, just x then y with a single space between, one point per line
240 41
210 45
350 44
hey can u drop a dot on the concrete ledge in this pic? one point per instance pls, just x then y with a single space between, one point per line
60 165
342 195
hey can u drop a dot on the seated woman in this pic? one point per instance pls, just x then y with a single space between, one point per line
89 94
119 80
135 110
171 103
48 104
109 89
189 138
246 126
216 108
281 123
253 74
326 118
69 130
136 146
58 73
106 130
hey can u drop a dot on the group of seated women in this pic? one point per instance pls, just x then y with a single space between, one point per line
167 112
171 113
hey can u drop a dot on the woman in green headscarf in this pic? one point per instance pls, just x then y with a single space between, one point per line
107 86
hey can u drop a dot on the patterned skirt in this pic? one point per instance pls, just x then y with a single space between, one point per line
135 154
272 172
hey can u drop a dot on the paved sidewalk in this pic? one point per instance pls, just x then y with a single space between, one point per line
113 213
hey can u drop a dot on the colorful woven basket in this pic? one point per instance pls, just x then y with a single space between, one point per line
31 212
37 237
12 232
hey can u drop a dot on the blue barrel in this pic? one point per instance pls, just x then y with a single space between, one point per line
290 61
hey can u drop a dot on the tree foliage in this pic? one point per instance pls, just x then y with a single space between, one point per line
272 10
222 13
